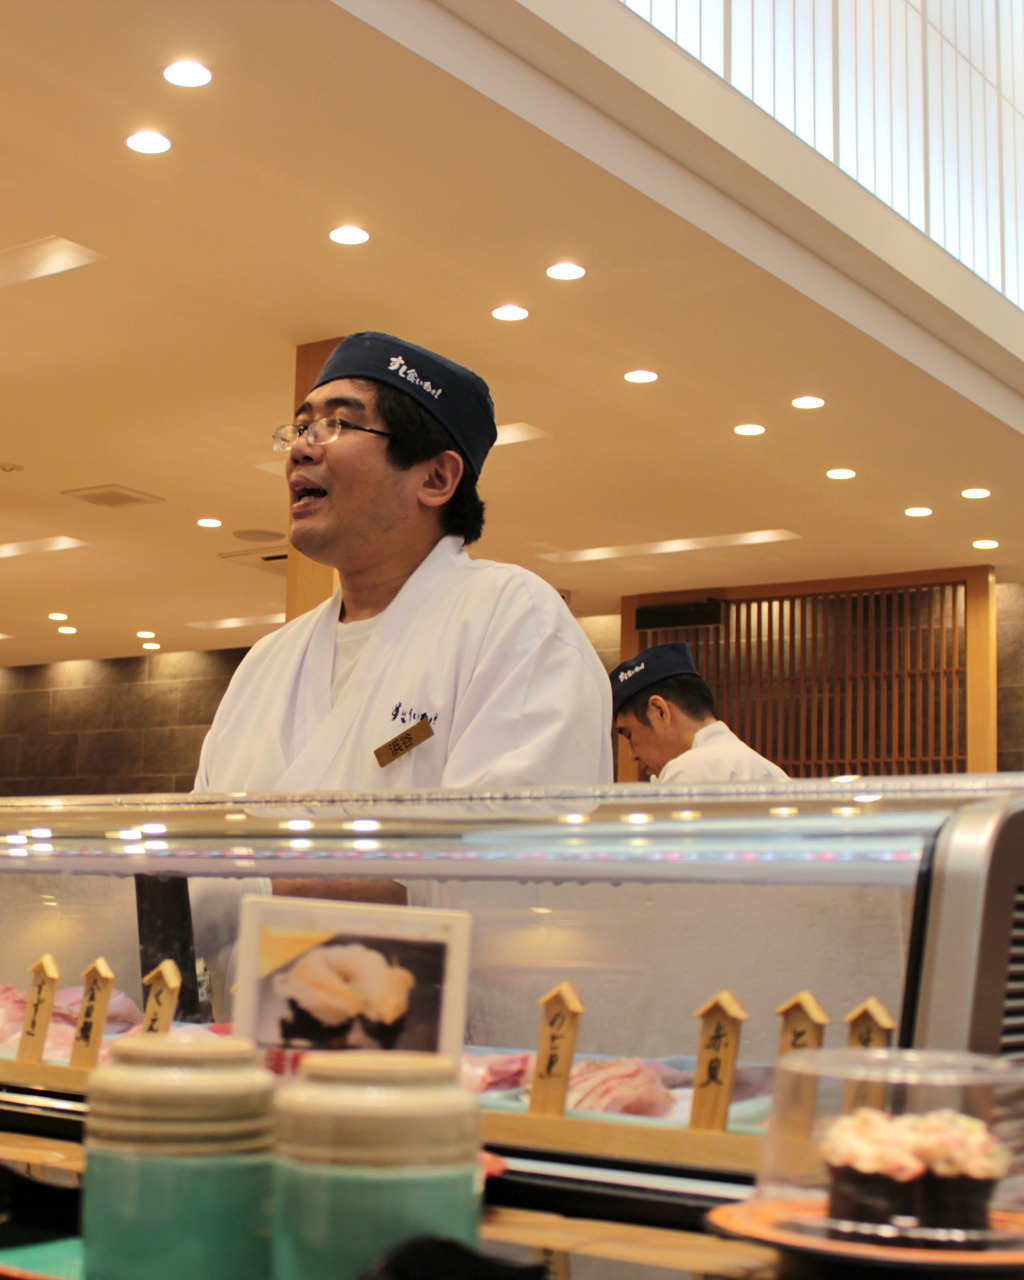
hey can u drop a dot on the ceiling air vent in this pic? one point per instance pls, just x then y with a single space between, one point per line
271 559
111 495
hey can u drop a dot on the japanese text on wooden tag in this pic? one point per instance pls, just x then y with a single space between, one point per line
403 742
38 1008
92 1017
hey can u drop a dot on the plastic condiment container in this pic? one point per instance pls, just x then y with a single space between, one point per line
372 1149
179 1164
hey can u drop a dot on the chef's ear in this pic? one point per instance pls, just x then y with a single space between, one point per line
441 478
658 710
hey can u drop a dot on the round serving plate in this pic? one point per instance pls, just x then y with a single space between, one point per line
776 1223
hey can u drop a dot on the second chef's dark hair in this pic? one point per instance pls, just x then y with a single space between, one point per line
689 693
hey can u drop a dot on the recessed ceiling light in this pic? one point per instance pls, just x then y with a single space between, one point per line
983 544
640 375
224 624
749 429
146 635
151 644
209 524
518 433
259 535
188 75
349 235
44 257
57 617
566 271
918 511
975 493
840 473
754 538
70 631
149 142
808 402
510 312
8 549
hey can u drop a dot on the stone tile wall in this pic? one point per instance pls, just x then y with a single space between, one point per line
121 725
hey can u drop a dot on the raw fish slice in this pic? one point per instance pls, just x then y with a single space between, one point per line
122 1013
621 1086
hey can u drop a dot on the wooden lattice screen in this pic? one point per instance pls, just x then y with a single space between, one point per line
844 678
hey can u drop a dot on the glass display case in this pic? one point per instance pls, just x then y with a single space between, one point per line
650 901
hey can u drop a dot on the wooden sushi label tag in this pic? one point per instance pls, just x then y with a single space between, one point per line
164 984
404 742
38 1008
555 1049
869 1026
803 1027
92 1017
803 1023
722 1020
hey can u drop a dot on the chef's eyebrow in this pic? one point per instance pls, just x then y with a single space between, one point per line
335 402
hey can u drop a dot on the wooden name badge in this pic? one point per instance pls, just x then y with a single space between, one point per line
404 742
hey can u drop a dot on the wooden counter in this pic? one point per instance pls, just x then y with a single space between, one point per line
555 1240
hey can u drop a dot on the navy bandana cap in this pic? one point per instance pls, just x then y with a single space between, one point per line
650 666
457 397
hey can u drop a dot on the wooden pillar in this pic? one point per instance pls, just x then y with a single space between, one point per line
308 583
981 669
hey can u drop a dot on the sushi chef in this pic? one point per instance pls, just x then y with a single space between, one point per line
426 668
666 713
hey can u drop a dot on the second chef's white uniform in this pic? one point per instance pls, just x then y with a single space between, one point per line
717 755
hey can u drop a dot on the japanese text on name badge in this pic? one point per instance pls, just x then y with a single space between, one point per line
404 742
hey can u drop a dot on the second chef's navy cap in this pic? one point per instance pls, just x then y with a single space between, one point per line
457 397
659 662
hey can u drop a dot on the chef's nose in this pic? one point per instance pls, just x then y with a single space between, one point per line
302 447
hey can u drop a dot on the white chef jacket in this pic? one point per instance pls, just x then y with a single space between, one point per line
717 755
512 688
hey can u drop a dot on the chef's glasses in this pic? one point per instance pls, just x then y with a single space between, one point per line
319 431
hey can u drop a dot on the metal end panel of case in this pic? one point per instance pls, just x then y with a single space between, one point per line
972 979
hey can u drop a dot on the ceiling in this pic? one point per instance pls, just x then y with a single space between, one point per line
163 366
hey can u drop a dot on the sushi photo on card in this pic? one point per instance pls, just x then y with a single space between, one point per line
320 975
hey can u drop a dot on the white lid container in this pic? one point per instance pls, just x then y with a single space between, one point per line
184 1094
385 1109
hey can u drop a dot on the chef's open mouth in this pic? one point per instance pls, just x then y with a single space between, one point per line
309 493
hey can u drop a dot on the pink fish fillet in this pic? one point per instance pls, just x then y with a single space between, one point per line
122 1014
618 1086
482 1071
